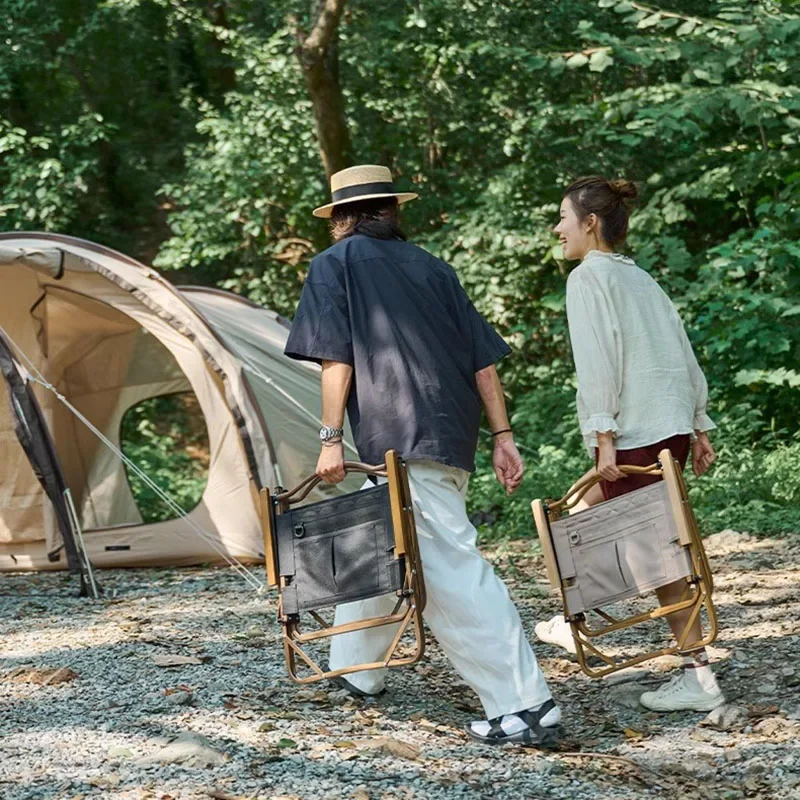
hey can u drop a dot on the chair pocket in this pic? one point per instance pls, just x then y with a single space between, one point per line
338 566
599 572
641 557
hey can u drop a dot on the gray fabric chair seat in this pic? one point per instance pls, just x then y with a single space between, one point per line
338 551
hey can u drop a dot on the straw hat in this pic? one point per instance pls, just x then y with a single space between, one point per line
365 182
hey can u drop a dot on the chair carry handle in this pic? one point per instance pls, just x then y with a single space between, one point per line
303 489
578 490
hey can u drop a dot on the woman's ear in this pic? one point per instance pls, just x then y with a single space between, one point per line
591 223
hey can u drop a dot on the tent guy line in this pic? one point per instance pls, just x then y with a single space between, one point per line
270 382
36 376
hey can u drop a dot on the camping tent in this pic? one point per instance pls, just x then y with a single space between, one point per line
90 333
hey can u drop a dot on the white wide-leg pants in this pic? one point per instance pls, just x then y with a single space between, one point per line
468 609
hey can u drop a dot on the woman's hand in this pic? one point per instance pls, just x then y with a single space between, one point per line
703 455
330 466
508 466
607 457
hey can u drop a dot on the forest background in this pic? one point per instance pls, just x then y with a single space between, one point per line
196 135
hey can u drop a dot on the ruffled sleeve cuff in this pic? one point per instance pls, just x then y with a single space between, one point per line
702 422
600 423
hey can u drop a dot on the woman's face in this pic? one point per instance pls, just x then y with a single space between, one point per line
577 237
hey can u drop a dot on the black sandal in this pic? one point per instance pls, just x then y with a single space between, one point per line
345 684
535 735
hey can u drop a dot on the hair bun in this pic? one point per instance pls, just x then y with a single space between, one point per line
625 190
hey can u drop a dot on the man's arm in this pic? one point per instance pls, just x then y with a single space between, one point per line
336 380
508 466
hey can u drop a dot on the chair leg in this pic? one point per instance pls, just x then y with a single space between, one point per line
584 646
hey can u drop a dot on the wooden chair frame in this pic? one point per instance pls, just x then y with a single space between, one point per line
699 584
407 612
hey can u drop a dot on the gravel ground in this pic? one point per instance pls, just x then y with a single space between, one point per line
86 710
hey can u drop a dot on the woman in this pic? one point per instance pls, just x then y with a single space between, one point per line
640 390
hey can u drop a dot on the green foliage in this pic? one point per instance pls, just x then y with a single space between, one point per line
193 136
167 439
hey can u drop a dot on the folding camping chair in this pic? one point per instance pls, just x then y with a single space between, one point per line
351 547
624 548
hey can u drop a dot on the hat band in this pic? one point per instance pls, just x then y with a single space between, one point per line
348 192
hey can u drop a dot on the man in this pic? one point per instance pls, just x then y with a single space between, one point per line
403 348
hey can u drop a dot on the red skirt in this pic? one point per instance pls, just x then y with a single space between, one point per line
678 445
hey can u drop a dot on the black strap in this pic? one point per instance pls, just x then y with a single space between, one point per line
535 733
542 734
348 192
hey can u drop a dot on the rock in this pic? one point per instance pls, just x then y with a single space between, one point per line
732 756
394 747
186 748
627 676
43 677
179 698
120 751
726 718
691 767
717 653
767 688
545 766
626 695
173 660
773 725
727 541
109 781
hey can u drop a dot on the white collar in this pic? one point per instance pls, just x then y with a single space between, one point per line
613 256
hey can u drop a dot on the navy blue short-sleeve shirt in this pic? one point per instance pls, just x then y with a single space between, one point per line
400 317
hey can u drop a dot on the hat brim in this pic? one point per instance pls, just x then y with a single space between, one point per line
324 212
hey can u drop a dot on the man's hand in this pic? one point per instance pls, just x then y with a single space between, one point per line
508 466
330 466
607 458
703 455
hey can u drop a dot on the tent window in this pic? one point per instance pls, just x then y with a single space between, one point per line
167 438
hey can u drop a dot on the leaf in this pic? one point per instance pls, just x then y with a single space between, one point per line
686 28
578 60
395 747
632 734
607 3
648 22
287 743
600 61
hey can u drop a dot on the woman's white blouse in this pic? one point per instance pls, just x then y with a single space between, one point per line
637 374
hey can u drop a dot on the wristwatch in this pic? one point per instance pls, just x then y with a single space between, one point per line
326 433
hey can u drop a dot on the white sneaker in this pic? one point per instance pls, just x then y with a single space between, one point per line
556 631
685 692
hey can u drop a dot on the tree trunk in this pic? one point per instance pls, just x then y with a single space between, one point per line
319 61
225 72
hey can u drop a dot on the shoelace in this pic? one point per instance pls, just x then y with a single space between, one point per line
675 684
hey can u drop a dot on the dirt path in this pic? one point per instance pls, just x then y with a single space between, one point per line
85 710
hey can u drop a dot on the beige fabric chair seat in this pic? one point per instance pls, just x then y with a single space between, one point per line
625 547
621 549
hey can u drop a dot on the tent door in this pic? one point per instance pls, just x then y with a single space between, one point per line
34 437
